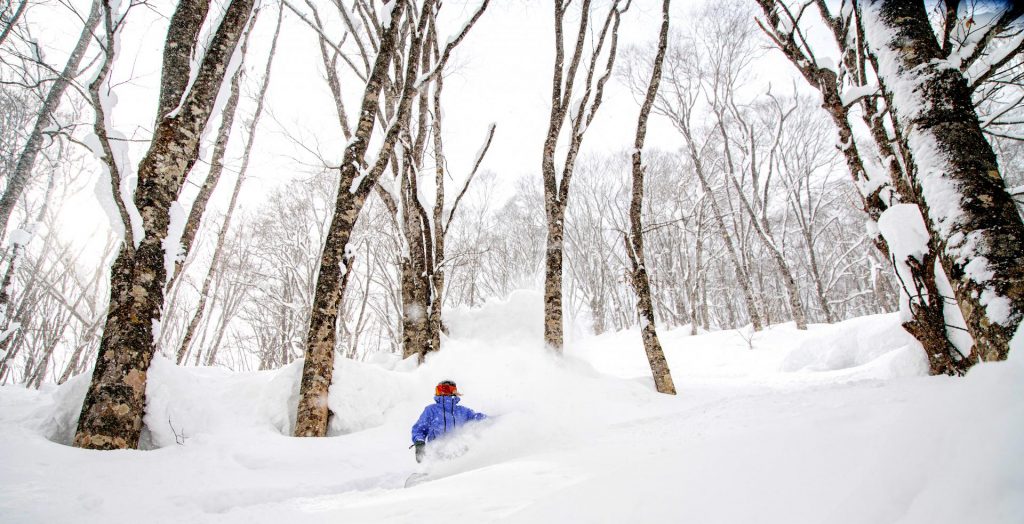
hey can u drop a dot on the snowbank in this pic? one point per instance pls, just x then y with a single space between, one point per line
832 425
877 342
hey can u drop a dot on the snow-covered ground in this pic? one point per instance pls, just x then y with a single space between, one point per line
835 425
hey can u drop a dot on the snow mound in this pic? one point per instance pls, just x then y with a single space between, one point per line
183 403
877 341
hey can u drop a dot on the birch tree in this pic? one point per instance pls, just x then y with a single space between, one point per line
216 168
114 406
578 110
878 189
635 240
970 215
355 184
45 118
977 53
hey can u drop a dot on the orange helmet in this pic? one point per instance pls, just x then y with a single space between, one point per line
446 388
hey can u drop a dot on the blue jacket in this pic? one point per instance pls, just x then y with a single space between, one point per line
442 416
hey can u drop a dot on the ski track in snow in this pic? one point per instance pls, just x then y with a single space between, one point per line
834 425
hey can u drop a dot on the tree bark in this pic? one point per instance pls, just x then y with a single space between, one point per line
969 213
182 38
115 403
13 20
635 240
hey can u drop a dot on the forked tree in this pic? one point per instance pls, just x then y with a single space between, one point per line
578 110
114 406
938 117
356 181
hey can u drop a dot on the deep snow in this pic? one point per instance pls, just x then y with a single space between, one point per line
837 424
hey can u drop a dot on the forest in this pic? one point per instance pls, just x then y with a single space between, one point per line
308 212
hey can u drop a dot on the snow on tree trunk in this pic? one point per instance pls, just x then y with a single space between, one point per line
114 406
969 213
921 303
925 319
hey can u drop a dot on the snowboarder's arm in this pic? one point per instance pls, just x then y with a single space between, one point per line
473 415
419 429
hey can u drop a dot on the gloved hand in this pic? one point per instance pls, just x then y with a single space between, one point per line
421 450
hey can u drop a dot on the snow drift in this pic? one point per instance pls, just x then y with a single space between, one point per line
834 424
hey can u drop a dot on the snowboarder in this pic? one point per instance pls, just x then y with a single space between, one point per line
440 417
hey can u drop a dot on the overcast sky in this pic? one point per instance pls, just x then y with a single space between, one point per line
501 73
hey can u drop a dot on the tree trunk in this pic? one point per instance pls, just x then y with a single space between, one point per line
115 403
313 413
970 216
556 189
928 322
13 20
635 240
927 326
553 335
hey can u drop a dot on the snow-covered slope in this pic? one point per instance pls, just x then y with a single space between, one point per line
837 424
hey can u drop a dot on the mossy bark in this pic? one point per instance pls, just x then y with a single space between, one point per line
114 406
979 235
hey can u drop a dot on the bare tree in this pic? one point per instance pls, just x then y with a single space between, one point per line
855 33
580 113
112 413
978 233
45 118
354 187
217 167
635 240
879 189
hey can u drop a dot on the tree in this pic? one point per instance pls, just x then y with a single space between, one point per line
971 217
879 189
635 240
979 55
354 186
192 224
580 113
45 118
114 405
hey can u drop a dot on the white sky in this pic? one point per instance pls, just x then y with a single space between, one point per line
501 73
